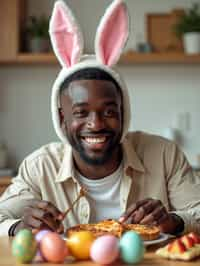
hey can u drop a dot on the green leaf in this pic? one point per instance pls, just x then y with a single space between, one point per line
189 22
38 27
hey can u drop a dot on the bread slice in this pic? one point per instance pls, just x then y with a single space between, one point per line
186 256
183 248
116 228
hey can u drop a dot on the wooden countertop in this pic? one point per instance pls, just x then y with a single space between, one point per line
5 180
150 258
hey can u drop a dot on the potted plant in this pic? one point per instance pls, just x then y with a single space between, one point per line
188 27
37 34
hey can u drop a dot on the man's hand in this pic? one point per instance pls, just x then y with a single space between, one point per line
153 212
41 215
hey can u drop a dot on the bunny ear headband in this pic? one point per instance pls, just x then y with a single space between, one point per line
67 42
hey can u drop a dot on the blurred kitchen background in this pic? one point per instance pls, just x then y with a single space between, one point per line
163 78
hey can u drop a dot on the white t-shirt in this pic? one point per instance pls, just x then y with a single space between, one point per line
103 195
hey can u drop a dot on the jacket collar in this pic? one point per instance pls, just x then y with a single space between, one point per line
66 170
130 158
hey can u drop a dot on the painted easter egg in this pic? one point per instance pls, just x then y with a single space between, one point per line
38 238
105 249
79 244
41 234
53 248
24 246
131 247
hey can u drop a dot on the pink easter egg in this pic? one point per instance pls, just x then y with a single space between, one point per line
53 248
105 249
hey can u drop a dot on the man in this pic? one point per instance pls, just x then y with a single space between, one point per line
133 177
118 178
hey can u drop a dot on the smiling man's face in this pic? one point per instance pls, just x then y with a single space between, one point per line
92 111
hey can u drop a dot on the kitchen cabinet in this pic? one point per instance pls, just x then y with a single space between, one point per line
11 16
5 181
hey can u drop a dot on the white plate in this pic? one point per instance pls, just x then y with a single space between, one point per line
162 238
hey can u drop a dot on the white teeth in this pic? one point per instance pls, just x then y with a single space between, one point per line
95 140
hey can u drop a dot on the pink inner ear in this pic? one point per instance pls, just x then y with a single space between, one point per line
114 35
65 38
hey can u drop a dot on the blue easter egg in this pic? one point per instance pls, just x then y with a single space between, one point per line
131 247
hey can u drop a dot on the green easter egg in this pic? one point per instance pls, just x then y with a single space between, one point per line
24 246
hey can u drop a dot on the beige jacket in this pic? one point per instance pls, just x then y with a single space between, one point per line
153 167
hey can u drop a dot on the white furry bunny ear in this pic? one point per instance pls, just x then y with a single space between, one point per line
66 37
112 33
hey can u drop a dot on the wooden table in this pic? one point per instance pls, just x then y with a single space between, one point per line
150 259
5 181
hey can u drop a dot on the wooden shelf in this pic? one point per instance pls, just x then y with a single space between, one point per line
32 59
5 181
39 58
13 16
159 58
129 58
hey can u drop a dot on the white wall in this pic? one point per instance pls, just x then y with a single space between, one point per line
159 93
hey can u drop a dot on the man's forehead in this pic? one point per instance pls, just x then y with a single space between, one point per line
95 88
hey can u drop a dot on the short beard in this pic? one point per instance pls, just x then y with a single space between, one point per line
94 161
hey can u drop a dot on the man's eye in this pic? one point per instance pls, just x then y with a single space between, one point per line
110 112
80 113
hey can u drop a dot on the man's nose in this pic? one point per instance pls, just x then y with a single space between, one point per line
95 121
